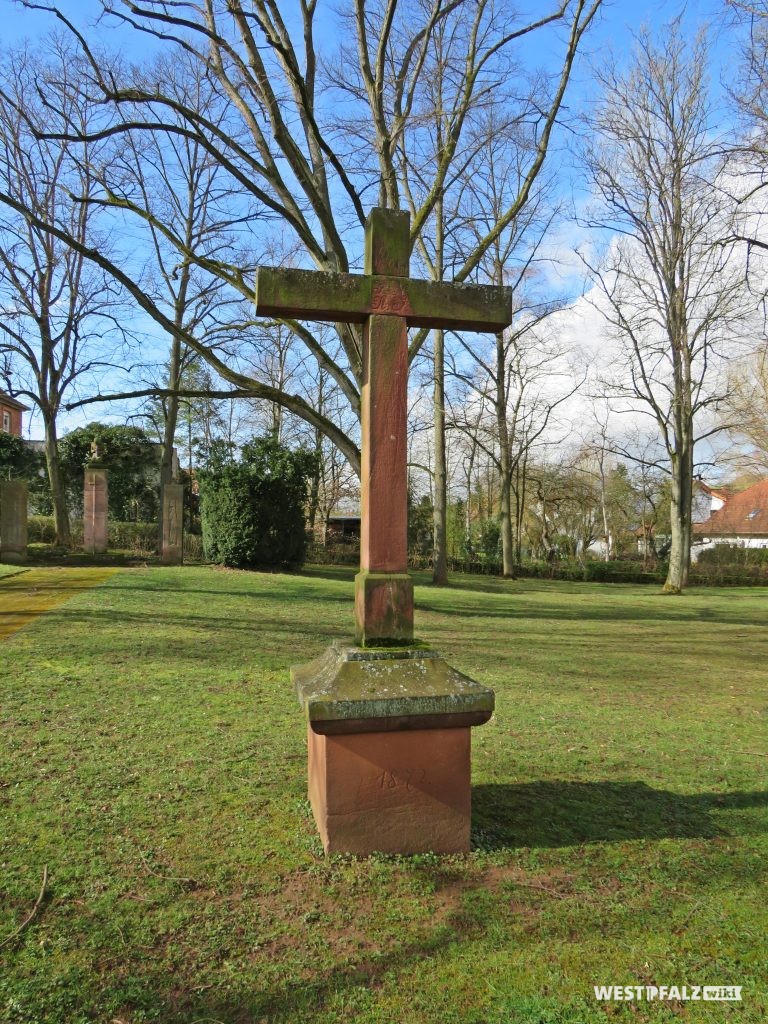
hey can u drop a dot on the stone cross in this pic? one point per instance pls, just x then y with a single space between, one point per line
386 301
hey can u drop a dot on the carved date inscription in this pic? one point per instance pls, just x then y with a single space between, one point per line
392 786
402 778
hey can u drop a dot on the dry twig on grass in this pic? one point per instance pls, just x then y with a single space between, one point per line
32 913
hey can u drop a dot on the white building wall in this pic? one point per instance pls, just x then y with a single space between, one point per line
705 543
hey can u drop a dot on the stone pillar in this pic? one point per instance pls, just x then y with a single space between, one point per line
13 521
95 509
172 552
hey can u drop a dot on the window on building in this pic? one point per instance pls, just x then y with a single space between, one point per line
6 422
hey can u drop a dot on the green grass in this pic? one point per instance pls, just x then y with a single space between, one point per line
153 757
11 570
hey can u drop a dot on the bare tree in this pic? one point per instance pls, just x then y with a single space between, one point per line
749 93
285 148
519 380
668 287
175 181
59 311
746 411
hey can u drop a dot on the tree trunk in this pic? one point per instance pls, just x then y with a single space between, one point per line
521 470
505 524
169 433
505 462
440 495
604 512
55 482
680 521
172 406
314 487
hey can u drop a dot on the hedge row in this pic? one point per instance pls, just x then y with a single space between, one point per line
624 572
138 538
333 554
702 574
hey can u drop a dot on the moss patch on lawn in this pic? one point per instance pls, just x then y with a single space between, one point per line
153 757
27 593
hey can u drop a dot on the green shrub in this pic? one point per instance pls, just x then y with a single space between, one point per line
193 547
253 511
729 575
335 553
17 460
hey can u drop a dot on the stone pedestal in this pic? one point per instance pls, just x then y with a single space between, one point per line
95 509
389 749
13 522
172 548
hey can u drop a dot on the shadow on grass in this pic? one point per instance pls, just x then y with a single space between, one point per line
546 814
150 622
532 599
306 999
555 814
664 611
284 594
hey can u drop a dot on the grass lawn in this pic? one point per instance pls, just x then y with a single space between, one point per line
153 757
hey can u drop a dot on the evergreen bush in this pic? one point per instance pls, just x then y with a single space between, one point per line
253 511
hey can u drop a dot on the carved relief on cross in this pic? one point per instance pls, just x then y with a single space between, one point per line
386 301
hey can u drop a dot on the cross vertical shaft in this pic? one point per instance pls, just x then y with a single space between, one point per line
383 589
386 302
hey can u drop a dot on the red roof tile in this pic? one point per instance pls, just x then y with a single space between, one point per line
743 515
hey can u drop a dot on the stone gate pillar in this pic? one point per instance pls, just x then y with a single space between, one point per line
13 521
172 551
95 495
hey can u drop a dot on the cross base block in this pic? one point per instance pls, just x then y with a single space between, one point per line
389 749
391 792
383 607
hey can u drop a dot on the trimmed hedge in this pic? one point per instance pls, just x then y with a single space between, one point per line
732 556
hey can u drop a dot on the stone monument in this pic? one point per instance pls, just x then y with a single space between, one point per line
95 496
172 552
13 522
388 720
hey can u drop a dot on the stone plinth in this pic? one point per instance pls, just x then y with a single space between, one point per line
13 522
172 551
389 749
95 509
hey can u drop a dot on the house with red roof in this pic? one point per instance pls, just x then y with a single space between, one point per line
740 519
10 414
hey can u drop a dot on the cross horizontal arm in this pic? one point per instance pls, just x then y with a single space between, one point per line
352 298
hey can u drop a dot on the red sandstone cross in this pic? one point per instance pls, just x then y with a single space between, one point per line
387 302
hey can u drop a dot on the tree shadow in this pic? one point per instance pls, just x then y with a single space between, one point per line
529 608
282 594
310 995
540 814
559 813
